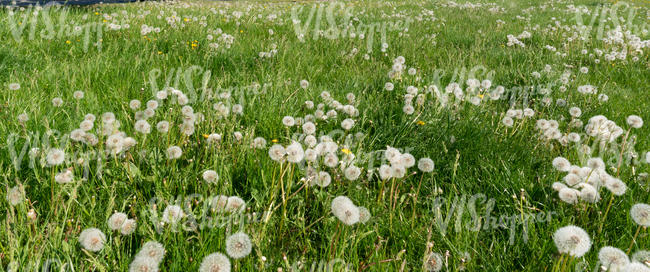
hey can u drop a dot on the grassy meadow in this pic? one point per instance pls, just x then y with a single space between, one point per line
325 136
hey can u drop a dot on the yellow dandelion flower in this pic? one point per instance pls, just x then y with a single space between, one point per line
206 136
345 150
274 140
421 123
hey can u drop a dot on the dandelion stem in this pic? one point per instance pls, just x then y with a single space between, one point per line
557 265
633 240
620 156
381 191
611 200
335 240
392 189
415 199
565 263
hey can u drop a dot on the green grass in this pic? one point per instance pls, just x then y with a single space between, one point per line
472 150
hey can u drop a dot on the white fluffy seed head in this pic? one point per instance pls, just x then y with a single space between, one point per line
615 186
385 172
259 143
572 179
392 154
613 258
142 126
588 193
295 153
66 176
172 214
174 152
128 227
92 239
143 264
572 240
345 210
152 250
331 160
16 195
575 112
508 121
116 220
55 156
641 214
364 215
433 262
309 128
352 172
407 160
425 165
162 126
210 176
238 245
347 124
215 262
288 121
557 186
569 195
323 179
561 164
397 171
596 163
135 104
277 152
635 267
635 121
235 204
152 104
642 256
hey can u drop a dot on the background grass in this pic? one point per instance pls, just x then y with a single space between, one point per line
472 151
